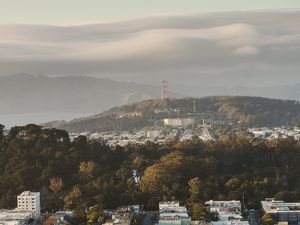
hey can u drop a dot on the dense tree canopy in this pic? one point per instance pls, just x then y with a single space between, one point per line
83 173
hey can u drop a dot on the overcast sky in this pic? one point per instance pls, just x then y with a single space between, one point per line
147 41
202 47
78 11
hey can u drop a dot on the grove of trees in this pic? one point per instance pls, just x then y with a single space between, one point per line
85 173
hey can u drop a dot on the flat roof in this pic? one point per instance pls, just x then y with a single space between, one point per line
230 222
273 206
236 202
9 215
29 193
182 215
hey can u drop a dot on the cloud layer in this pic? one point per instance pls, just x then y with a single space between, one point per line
215 44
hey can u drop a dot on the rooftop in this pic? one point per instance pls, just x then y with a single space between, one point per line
230 222
12 215
272 206
29 193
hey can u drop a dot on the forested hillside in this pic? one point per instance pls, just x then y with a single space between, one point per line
250 111
80 173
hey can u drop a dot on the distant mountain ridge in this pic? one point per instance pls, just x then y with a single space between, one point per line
251 111
25 93
291 92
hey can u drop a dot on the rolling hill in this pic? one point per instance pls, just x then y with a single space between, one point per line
250 111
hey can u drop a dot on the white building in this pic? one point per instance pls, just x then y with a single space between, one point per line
282 211
167 205
228 212
171 213
230 222
216 206
30 201
179 122
15 217
207 135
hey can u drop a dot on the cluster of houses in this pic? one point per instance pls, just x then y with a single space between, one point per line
122 215
283 213
173 213
170 213
28 208
176 129
231 213
59 218
227 212
28 211
156 135
275 133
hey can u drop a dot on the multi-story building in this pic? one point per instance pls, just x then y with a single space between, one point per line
228 212
230 222
282 211
166 205
216 206
30 201
179 122
15 217
171 213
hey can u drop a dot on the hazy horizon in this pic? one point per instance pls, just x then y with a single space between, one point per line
200 47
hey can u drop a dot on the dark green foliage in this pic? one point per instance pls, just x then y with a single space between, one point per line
91 173
30 221
137 220
1 131
199 212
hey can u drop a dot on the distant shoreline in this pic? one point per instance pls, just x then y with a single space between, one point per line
10 120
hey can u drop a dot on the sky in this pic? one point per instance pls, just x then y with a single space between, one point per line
81 11
202 47
219 43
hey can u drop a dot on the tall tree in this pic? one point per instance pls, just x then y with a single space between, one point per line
1 132
72 198
199 212
87 168
195 189
56 184
95 215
